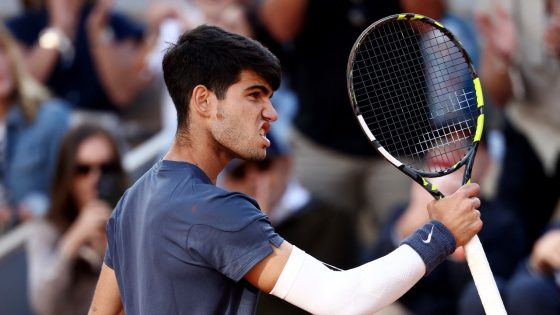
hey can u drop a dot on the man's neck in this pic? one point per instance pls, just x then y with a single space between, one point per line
203 156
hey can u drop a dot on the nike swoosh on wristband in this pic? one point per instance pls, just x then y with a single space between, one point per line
429 239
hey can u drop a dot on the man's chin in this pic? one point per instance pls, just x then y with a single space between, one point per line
254 156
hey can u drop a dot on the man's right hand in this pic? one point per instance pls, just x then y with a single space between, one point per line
459 212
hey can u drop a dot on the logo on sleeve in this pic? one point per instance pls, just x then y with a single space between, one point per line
429 239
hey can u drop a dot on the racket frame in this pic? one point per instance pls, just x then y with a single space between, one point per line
420 176
476 257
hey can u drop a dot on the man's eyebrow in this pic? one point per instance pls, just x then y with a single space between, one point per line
260 87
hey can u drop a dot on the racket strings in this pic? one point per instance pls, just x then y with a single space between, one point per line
391 89
414 90
403 84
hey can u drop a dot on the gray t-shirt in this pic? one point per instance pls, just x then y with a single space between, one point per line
180 245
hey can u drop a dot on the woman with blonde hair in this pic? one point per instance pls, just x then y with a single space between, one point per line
31 126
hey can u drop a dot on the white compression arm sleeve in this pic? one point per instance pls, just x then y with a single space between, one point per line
309 284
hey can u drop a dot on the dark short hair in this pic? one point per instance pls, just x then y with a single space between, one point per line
212 57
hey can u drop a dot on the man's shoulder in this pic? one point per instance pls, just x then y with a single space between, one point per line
187 196
226 210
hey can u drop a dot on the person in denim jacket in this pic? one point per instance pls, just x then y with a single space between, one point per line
31 126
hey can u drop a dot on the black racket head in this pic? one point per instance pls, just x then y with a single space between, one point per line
416 94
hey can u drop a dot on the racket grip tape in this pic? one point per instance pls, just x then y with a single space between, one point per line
483 278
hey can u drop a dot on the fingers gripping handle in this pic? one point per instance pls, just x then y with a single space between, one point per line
483 278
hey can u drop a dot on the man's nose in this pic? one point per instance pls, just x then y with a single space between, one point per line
269 112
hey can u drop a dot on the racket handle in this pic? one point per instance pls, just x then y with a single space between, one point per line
483 278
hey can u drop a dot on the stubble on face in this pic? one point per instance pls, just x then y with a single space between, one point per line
229 134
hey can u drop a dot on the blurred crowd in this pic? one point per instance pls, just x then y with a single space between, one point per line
71 70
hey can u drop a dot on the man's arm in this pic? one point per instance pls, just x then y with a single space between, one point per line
305 282
106 299
265 274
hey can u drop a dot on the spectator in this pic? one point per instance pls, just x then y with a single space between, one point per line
31 126
65 250
83 51
326 233
535 287
520 69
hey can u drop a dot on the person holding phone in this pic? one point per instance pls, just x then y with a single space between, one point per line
66 248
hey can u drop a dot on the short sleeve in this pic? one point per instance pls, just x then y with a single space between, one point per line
233 253
108 259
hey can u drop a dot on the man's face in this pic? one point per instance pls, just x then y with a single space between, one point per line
241 120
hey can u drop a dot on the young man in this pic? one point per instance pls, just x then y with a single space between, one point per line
177 244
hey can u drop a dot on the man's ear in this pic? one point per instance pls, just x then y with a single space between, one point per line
201 100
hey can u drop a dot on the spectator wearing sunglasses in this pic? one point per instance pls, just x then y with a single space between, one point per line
66 249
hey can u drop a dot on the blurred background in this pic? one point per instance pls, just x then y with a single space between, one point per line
84 112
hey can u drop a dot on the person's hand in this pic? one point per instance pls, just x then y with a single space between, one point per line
459 212
187 14
234 19
88 229
159 11
552 32
64 15
92 219
498 33
97 21
99 212
415 214
545 257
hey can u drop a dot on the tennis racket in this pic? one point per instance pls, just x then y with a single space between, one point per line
418 99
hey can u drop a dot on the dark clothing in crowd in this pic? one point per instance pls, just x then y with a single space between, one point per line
76 80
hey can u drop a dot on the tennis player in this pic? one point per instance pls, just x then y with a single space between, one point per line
177 244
